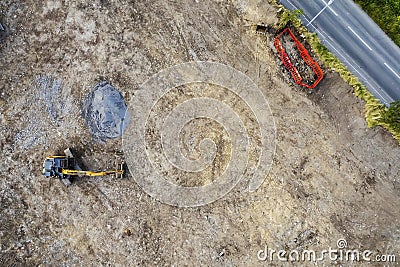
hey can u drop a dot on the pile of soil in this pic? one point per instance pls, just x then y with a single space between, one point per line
105 112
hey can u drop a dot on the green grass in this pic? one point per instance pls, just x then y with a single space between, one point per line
386 14
376 113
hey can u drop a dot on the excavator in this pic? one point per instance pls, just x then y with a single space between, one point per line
64 167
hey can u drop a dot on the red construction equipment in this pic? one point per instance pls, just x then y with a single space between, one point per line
304 55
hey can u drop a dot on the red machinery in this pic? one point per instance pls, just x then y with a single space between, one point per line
304 55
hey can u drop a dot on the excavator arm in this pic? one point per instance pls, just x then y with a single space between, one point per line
64 167
90 173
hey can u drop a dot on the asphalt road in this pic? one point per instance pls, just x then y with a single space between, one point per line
350 34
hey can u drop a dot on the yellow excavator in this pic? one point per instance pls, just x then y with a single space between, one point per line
64 167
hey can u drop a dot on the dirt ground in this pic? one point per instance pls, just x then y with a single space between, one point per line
332 177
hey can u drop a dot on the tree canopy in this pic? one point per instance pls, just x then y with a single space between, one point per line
386 13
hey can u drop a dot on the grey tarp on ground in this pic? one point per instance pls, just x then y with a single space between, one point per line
105 112
3 32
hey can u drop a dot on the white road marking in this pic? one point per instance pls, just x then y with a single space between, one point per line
337 51
331 9
344 57
322 10
398 76
292 4
372 87
358 36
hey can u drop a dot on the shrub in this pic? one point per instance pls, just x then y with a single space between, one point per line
376 113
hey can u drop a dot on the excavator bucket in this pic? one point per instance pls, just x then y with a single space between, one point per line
120 167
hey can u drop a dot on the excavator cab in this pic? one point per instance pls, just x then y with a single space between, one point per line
53 166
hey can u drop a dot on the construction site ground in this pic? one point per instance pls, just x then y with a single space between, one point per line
332 177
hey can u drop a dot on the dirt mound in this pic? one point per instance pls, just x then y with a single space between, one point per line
105 110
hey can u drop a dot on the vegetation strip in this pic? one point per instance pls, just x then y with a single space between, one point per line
376 113
386 14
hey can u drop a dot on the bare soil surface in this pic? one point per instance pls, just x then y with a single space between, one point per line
332 177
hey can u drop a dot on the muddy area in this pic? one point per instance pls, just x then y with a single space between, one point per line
332 178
